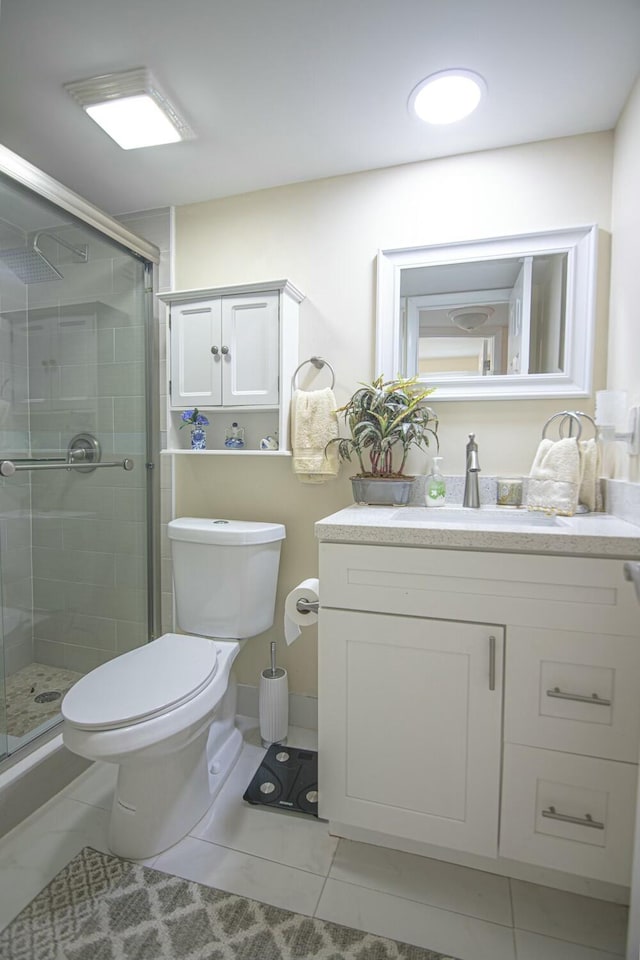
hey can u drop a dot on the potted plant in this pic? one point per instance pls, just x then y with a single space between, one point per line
385 419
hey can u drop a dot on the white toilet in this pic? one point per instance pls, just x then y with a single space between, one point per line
165 712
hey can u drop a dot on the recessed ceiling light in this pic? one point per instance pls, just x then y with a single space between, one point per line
131 108
447 96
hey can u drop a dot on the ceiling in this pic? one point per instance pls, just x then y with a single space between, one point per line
289 90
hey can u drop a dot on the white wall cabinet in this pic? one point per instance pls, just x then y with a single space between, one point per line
412 742
233 349
224 352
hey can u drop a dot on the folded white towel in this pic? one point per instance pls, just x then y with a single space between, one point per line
555 477
590 493
314 423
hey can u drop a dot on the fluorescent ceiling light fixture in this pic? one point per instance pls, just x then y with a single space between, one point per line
131 108
447 96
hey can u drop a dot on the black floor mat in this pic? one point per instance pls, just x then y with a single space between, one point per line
287 778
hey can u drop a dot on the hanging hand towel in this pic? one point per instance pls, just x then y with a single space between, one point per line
555 477
590 487
313 424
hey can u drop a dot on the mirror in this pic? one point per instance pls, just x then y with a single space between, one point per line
510 317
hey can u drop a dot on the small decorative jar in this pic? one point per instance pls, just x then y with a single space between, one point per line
197 421
198 438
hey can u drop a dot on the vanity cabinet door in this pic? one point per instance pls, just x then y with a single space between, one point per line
410 727
225 352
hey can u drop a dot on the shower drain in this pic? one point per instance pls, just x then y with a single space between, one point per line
48 696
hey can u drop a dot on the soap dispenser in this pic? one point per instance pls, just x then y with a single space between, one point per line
435 489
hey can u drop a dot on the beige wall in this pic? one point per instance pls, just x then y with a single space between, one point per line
624 328
324 236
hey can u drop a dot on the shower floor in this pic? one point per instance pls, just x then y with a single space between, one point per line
24 713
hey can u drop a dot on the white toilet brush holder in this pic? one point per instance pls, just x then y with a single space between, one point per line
274 703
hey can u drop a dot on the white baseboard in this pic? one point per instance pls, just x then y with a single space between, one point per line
303 711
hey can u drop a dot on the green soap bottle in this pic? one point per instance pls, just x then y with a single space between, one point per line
436 488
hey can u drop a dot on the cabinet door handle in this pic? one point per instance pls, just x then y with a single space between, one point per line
492 663
586 821
214 350
580 697
224 350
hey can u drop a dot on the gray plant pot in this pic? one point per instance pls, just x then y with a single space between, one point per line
382 491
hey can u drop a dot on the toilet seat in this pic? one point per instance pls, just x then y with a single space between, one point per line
144 683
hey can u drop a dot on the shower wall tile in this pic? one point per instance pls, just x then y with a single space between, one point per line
105 536
47 531
128 503
129 635
49 653
129 571
18 657
106 347
83 659
69 626
78 381
129 342
79 566
16 565
121 379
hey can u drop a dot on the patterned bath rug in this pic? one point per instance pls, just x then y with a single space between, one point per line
100 907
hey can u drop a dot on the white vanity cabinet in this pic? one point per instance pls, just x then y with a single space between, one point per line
413 744
234 349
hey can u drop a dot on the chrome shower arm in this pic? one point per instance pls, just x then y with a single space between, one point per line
80 252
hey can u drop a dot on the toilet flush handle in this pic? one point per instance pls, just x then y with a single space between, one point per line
632 573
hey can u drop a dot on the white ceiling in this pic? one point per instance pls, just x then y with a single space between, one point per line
288 90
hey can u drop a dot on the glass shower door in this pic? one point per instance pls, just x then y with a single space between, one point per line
74 537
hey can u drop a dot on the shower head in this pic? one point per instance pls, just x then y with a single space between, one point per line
29 266
32 266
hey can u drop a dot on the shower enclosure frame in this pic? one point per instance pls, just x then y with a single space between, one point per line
26 175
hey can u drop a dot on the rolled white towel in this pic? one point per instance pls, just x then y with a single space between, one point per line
555 477
590 493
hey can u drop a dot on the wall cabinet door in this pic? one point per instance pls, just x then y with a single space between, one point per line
224 352
196 332
250 350
410 727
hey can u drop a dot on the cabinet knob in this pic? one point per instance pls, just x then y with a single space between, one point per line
225 350
214 351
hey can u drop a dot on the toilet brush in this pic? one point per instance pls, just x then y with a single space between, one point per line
274 703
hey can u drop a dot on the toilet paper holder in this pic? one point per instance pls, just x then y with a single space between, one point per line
307 606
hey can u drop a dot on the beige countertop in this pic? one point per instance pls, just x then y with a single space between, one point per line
488 528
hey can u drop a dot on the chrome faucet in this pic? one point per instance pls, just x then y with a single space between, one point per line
471 491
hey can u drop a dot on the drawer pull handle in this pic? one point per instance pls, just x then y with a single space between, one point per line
580 697
492 663
586 821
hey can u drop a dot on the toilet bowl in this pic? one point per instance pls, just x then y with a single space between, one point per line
165 712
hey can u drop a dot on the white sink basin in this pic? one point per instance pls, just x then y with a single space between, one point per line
484 516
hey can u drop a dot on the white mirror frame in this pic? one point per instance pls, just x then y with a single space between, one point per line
580 244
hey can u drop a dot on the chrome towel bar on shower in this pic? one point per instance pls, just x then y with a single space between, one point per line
8 467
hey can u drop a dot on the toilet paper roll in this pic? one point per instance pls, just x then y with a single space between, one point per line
293 620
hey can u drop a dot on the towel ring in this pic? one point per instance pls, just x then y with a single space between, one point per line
583 416
318 363
564 415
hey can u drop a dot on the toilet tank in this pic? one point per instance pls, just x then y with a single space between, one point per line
225 574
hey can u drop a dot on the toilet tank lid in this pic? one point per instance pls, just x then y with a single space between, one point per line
231 532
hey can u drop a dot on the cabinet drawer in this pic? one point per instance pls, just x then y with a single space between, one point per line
573 691
567 812
570 593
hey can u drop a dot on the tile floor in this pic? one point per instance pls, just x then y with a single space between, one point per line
290 861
